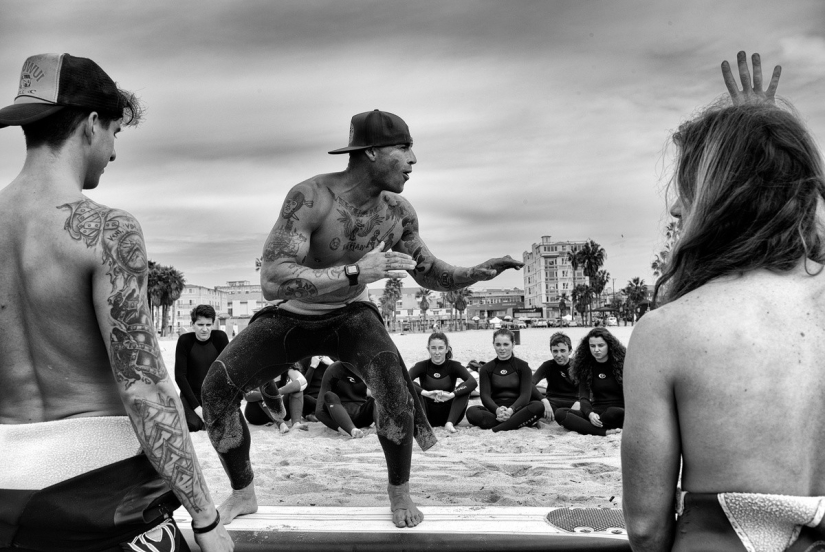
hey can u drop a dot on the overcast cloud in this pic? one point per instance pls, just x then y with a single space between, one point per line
529 118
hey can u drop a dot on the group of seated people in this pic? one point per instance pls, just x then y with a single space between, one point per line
583 392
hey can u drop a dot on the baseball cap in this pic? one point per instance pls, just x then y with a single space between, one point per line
50 82
375 129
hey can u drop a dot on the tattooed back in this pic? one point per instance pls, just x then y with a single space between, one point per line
53 361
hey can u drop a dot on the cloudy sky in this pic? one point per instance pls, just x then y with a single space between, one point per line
529 118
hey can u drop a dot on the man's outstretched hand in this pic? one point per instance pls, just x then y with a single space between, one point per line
750 93
492 268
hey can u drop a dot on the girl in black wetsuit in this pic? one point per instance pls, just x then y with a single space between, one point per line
444 402
506 388
597 367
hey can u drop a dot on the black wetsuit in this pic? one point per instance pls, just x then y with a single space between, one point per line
343 400
192 361
314 376
562 391
274 340
505 383
442 377
607 401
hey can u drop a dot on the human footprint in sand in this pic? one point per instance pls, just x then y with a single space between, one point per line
336 233
344 403
444 401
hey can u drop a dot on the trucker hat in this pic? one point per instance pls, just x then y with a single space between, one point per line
50 82
375 129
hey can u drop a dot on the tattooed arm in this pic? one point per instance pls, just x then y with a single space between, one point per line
434 273
148 395
284 270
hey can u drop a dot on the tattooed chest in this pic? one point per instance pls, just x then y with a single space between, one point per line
348 229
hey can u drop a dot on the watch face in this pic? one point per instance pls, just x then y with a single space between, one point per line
351 270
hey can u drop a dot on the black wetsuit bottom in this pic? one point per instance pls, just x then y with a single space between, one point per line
274 341
527 416
346 416
612 417
439 413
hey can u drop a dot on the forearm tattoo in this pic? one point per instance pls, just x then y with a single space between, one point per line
168 447
133 350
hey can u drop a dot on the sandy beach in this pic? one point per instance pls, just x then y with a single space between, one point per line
528 467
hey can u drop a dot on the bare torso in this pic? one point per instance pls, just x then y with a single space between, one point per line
749 393
337 232
53 361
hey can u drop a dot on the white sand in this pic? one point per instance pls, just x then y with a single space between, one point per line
527 467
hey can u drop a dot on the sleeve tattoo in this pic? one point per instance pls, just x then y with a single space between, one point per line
133 352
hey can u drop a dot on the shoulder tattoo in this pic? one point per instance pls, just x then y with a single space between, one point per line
133 349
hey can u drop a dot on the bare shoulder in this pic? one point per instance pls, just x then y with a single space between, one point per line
309 199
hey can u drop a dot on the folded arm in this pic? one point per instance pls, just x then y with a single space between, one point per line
435 274
284 270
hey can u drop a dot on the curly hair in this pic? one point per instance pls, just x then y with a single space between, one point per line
583 361
750 178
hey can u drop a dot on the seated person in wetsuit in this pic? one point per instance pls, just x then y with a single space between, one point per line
597 367
506 389
265 405
345 404
194 354
473 367
723 379
444 402
560 389
313 369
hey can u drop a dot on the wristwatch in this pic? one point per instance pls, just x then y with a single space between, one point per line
352 271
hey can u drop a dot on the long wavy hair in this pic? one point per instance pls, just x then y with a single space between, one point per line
750 178
583 362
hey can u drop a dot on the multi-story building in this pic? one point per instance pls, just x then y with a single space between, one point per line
192 296
494 302
548 275
240 286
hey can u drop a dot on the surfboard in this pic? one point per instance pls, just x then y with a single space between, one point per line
445 529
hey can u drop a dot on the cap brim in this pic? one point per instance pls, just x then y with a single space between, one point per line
349 149
23 114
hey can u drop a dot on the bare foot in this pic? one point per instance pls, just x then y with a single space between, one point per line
299 425
404 511
450 427
239 503
357 433
612 431
283 427
311 418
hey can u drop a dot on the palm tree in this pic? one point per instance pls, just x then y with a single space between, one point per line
581 298
635 291
423 295
460 302
165 286
600 282
392 293
592 257
672 235
574 258
387 309
563 298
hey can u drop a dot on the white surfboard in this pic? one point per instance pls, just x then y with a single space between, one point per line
445 529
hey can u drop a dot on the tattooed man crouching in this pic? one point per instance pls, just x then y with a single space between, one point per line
89 461
336 233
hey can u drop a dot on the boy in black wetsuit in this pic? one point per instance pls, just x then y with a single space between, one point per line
561 390
194 354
